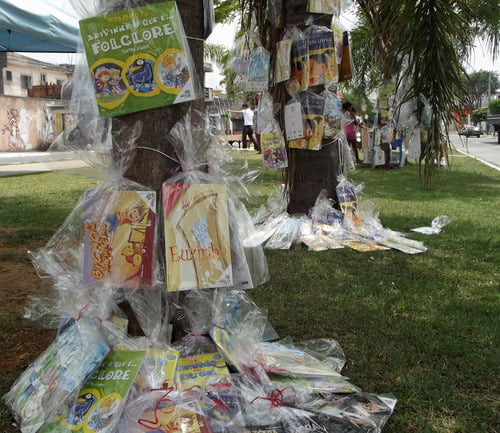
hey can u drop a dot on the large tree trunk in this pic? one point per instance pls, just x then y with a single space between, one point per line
151 168
309 171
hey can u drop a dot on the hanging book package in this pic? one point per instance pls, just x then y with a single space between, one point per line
345 67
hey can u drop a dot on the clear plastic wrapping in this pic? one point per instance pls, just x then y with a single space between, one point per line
203 219
109 238
436 227
138 58
52 379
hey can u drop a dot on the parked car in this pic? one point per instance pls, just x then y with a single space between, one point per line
470 131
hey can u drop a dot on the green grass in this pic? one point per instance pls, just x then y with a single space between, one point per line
422 327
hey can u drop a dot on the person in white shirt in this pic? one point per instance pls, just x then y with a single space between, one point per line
247 132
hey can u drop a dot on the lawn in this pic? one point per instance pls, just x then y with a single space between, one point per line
422 327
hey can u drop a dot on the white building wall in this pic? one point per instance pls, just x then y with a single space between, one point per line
19 65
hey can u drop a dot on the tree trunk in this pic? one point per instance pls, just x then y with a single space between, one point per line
309 171
151 168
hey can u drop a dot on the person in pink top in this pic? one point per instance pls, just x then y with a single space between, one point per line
349 124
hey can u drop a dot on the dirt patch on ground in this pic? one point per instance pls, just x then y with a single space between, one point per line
22 341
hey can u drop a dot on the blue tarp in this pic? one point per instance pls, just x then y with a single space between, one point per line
37 26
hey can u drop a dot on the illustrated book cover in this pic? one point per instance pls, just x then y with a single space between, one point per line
41 390
198 370
282 65
119 237
100 401
299 72
197 242
273 147
210 374
138 59
313 117
322 58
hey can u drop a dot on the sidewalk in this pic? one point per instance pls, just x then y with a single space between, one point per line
19 163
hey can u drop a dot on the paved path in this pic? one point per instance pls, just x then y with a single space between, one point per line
18 163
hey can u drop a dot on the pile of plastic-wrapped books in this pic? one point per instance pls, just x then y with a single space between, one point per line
155 330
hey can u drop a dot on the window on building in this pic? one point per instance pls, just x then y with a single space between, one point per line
59 82
8 75
43 79
25 82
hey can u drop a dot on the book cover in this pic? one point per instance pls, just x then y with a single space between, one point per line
256 77
290 361
312 109
100 401
119 237
299 72
338 40
294 125
49 381
138 59
324 6
170 416
322 58
282 65
158 370
273 147
197 243
210 374
198 370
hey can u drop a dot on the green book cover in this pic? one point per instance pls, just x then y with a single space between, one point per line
99 402
138 59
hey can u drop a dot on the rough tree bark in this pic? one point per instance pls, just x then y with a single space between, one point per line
151 168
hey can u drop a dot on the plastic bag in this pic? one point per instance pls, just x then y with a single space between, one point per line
109 237
238 327
239 55
323 211
282 67
322 59
287 359
148 65
436 227
313 109
332 113
51 380
285 234
200 203
256 77
299 75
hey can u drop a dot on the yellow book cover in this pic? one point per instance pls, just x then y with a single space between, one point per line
201 370
119 237
158 370
313 108
197 243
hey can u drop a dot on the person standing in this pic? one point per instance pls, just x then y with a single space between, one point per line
349 124
247 126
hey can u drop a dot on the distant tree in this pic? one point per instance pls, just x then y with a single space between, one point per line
479 84
494 106
227 10
215 53
479 115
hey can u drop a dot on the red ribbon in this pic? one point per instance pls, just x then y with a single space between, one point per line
166 410
276 398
